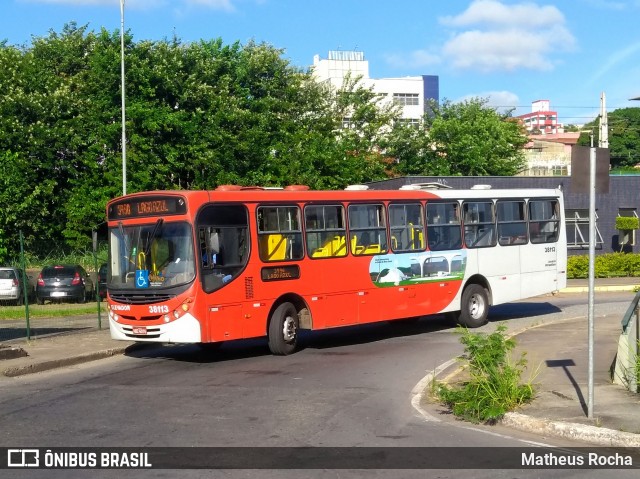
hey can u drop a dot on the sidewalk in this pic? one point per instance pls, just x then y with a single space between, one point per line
559 348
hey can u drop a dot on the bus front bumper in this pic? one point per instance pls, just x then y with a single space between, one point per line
183 330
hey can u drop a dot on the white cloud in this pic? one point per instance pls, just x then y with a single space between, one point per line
492 36
493 12
415 59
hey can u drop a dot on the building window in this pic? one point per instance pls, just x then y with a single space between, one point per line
414 122
559 170
406 99
577 221
627 237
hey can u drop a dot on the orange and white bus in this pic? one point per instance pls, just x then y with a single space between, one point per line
237 262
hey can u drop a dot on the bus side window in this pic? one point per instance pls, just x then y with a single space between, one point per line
406 226
544 224
479 224
325 231
273 247
368 233
279 233
512 225
443 226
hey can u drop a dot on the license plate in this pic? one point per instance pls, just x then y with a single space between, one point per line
57 294
140 330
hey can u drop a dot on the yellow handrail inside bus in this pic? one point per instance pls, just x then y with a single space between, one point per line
142 260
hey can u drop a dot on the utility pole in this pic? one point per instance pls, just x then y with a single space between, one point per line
124 135
603 141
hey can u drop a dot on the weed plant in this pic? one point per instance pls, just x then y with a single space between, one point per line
637 366
494 385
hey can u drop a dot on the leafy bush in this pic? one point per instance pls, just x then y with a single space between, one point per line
494 386
606 265
627 222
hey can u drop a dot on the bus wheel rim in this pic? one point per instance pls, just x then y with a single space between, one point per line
289 329
476 306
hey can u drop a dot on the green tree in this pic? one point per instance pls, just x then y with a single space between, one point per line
475 139
466 138
624 137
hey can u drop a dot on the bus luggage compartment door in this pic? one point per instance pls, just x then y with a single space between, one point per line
225 322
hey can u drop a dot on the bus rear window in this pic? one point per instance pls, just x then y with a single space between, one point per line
544 221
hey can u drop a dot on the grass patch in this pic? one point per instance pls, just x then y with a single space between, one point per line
494 385
50 310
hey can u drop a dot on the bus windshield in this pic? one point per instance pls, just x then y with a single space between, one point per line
157 255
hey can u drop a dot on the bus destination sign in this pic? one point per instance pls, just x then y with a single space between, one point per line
151 206
280 273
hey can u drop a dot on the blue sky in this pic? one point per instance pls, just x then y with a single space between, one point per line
510 51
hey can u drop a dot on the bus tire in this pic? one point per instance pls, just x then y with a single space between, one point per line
283 330
474 308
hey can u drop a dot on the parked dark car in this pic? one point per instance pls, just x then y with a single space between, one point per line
102 280
63 283
11 288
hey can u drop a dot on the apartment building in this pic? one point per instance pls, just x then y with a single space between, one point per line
412 93
542 119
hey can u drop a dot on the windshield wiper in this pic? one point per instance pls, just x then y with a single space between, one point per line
156 230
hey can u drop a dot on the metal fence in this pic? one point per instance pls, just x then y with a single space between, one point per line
28 321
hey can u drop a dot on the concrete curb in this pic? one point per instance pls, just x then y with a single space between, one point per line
568 430
574 431
58 363
602 289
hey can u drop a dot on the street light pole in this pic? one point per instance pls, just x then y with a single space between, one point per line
124 135
592 261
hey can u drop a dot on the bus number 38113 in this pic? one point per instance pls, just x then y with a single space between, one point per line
159 309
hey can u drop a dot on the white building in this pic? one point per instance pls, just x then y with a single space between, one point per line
412 93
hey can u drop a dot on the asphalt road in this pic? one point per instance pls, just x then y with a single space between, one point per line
346 388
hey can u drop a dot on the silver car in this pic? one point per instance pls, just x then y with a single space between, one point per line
11 288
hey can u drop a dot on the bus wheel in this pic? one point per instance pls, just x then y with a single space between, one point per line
283 330
474 307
